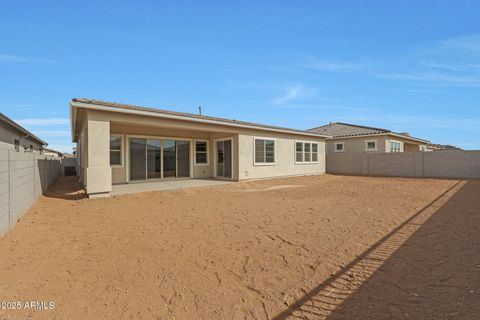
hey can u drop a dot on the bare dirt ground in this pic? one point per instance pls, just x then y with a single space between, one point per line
324 247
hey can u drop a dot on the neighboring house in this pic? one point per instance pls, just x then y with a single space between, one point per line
14 137
354 139
441 147
52 153
118 143
68 155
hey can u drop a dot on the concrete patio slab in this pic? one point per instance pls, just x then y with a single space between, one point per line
120 189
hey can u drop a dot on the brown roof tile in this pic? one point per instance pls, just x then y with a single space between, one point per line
339 129
346 130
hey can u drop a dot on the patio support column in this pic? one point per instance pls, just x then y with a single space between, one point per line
99 172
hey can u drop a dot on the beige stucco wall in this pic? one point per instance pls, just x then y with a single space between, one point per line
97 127
412 147
98 172
406 145
358 144
284 157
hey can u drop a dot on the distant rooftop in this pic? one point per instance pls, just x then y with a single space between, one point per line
52 150
437 146
340 129
344 130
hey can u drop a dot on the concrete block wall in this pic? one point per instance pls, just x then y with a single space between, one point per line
4 192
456 164
24 177
402 164
346 163
452 164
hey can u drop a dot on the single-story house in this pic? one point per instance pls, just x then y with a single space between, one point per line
119 144
15 137
353 138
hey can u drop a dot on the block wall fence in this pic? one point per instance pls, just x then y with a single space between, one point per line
454 164
24 177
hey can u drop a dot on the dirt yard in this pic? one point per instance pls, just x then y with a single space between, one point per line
325 247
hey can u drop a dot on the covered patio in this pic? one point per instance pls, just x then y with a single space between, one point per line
167 185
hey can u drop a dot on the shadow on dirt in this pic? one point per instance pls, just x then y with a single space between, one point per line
426 268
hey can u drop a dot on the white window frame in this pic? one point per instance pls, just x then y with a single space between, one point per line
368 141
311 152
396 141
335 147
195 152
122 148
303 152
215 155
255 163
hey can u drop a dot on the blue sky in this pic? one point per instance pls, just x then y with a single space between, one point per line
409 66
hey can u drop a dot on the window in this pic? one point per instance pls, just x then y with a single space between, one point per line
201 152
339 147
306 152
299 151
395 146
116 150
264 151
314 152
371 145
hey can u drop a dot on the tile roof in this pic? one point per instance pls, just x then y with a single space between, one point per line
52 150
340 129
346 130
437 146
192 116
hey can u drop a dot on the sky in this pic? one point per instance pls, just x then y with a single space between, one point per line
408 66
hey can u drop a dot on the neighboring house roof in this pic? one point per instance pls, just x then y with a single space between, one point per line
112 106
437 146
27 133
340 129
68 155
53 151
347 130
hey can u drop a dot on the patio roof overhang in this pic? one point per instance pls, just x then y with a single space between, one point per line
76 105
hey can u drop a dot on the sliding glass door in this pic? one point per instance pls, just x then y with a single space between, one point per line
137 159
169 158
183 159
224 159
153 159
156 158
